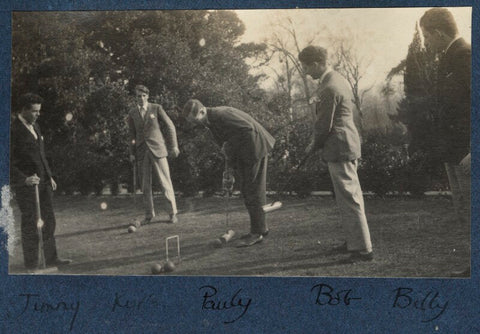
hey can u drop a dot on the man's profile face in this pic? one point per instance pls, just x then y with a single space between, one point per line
315 70
198 118
31 113
142 98
431 40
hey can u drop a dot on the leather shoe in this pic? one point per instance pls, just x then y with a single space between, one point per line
137 223
342 249
359 256
251 240
248 235
59 262
173 219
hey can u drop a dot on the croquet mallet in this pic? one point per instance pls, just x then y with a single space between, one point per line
228 180
276 204
42 264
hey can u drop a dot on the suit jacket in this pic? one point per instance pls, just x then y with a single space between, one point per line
247 140
27 155
454 76
156 132
334 130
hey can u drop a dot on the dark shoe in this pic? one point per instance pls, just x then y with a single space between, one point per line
251 240
137 223
173 219
248 235
359 256
341 249
59 263
31 267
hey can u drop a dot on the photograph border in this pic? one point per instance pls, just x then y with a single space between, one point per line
157 304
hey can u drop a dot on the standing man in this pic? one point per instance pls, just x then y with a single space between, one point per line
246 145
151 133
336 135
453 97
29 168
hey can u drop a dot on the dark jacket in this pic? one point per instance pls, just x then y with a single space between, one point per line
247 140
454 77
27 155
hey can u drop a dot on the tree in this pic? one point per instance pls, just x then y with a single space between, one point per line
85 64
351 64
417 110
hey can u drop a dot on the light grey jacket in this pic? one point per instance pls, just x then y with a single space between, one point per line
334 130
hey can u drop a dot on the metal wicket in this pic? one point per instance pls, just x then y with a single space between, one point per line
177 238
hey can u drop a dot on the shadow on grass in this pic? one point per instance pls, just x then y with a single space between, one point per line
78 233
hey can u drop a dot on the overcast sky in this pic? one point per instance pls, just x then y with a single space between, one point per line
384 33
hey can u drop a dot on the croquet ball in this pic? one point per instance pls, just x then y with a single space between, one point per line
156 269
132 229
217 243
169 266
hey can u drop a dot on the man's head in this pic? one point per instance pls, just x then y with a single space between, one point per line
141 95
438 28
195 112
314 61
30 105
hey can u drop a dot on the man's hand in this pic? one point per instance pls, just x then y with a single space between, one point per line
132 157
54 184
175 152
32 180
466 164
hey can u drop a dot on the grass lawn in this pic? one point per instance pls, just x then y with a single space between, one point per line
411 238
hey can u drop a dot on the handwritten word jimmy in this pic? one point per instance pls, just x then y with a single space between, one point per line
429 304
213 302
326 295
33 303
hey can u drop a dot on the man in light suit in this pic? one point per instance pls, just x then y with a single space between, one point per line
336 135
453 97
152 139
29 167
246 145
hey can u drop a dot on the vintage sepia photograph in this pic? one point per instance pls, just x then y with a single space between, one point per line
266 142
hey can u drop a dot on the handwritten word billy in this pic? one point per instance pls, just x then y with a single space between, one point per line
429 304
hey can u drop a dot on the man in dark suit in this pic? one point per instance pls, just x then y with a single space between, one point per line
336 135
246 145
453 97
151 132
29 167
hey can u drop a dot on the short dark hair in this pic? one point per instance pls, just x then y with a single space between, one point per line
27 100
439 19
142 88
313 54
192 105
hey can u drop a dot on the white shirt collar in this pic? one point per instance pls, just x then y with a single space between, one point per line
144 107
28 126
453 41
328 70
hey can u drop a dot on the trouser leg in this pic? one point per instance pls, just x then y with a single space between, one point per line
349 197
253 186
160 165
146 182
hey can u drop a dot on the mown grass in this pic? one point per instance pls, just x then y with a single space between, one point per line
411 238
